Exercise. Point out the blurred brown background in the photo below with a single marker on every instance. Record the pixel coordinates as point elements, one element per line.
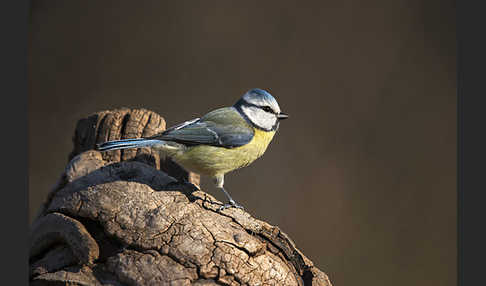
<point>363,174</point>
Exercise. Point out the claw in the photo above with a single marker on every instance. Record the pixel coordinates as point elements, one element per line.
<point>232,204</point>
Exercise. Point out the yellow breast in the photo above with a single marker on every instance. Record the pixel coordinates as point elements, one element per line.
<point>212,161</point>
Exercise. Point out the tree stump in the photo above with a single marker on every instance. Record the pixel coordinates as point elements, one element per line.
<point>131,217</point>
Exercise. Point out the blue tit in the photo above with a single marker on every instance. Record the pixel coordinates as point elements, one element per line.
<point>221,141</point>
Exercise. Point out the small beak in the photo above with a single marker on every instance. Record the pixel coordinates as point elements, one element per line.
<point>282,116</point>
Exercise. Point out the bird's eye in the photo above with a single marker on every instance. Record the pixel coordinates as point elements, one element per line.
<point>268,109</point>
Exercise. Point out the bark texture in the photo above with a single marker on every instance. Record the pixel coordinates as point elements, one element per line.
<point>132,218</point>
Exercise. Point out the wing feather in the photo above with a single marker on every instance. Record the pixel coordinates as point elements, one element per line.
<point>223,127</point>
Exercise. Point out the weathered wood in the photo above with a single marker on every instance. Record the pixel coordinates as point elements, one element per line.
<point>113,220</point>
<point>122,124</point>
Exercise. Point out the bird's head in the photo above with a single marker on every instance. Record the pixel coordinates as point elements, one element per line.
<point>261,109</point>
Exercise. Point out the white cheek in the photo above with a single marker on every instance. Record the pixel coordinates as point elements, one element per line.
<point>259,117</point>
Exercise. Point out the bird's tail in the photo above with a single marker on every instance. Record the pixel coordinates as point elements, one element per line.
<point>127,143</point>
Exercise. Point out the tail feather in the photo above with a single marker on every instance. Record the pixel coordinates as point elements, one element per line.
<point>127,143</point>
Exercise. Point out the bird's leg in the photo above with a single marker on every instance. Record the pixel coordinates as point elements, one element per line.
<point>219,182</point>
<point>232,203</point>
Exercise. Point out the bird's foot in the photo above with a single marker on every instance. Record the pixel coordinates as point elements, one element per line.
<point>232,204</point>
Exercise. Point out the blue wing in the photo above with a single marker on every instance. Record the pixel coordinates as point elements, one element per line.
<point>223,127</point>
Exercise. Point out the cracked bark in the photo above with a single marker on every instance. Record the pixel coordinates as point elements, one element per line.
<point>133,218</point>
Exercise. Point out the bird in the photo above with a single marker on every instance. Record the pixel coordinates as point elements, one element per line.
<point>223,140</point>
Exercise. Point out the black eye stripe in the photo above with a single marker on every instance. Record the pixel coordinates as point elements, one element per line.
<point>268,109</point>
<point>265,108</point>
